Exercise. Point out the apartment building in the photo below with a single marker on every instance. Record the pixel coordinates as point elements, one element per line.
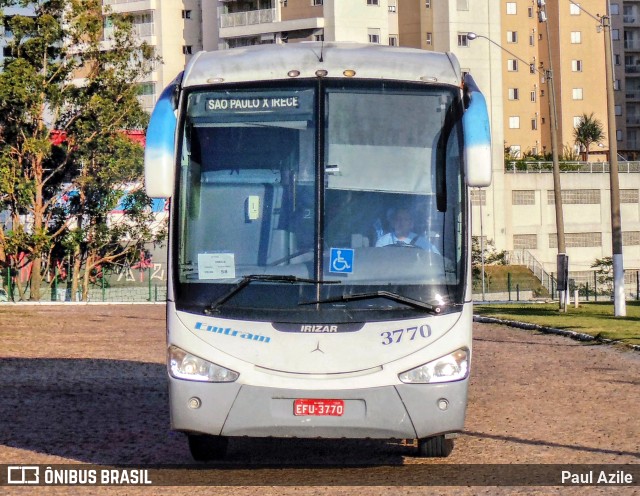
<point>626,45</point>
<point>508,58</point>
<point>173,27</point>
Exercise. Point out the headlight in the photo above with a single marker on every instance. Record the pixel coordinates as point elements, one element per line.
<point>449,368</point>
<point>183,365</point>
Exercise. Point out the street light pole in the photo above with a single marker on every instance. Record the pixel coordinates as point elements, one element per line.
<point>563,259</point>
<point>619,301</point>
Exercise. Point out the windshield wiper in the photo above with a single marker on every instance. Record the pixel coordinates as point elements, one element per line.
<point>380,294</point>
<point>246,280</point>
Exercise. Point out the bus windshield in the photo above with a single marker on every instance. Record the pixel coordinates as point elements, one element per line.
<point>344,199</point>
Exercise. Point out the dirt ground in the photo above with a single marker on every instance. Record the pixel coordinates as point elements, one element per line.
<point>86,384</point>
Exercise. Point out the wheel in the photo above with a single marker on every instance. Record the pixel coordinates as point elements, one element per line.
<point>205,447</point>
<point>436,446</point>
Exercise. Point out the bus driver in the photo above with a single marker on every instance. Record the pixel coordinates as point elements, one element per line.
<point>402,234</point>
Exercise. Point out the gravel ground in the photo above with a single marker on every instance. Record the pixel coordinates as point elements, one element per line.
<point>86,384</point>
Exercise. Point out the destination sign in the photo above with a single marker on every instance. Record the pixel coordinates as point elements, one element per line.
<point>252,103</point>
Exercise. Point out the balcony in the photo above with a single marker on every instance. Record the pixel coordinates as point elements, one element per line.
<point>143,30</point>
<point>263,22</point>
<point>631,94</point>
<point>633,119</point>
<point>248,18</point>
<point>633,70</point>
<point>120,6</point>
<point>147,102</point>
<point>629,19</point>
<point>632,44</point>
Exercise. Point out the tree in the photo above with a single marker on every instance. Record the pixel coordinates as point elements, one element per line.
<point>41,99</point>
<point>491,256</point>
<point>604,273</point>
<point>588,131</point>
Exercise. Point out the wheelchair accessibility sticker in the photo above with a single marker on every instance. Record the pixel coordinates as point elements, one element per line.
<point>341,260</point>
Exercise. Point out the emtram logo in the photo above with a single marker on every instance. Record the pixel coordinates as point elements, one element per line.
<point>23,474</point>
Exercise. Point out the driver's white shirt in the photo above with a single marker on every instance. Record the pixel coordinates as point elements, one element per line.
<point>392,239</point>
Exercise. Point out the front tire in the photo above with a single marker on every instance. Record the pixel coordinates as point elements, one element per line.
<point>435,447</point>
<point>205,447</point>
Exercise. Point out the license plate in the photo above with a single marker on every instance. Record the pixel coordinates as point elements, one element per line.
<point>316,407</point>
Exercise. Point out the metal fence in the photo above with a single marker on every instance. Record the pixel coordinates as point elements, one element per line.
<point>125,284</point>
<point>591,286</point>
<point>540,167</point>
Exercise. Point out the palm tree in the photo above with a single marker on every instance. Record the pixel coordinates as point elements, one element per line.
<point>588,131</point>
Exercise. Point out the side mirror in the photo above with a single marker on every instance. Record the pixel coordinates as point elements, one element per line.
<point>477,136</point>
<point>160,147</point>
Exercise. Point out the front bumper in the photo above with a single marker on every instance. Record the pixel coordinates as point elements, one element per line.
<point>404,411</point>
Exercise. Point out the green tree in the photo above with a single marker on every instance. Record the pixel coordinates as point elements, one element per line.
<point>491,257</point>
<point>588,131</point>
<point>64,80</point>
<point>604,273</point>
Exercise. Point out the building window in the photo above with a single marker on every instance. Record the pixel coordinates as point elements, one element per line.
<point>514,122</point>
<point>514,94</point>
<point>534,124</point>
<point>512,37</point>
<point>429,38</point>
<point>373,2</point>
<point>393,40</point>
<point>577,240</point>
<point>530,12</point>
<point>616,59</point>
<point>512,65</point>
<point>615,34</point>
<point>576,93</point>
<point>629,196</point>
<point>532,96</point>
<point>532,39</point>
<point>574,9</point>
<point>525,241</point>
<point>618,110</point>
<point>576,37</point>
<point>615,9</point>
<point>631,238</point>
<point>523,197</point>
<point>318,37</point>
<point>392,9</point>
<point>427,4</point>
<point>575,197</point>
<point>374,35</point>
<point>617,85</point>
<point>576,120</point>
<point>618,135</point>
<point>186,14</point>
<point>463,41</point>
<point>512,8</point>
<point>576,65</point>
<point>187,49</point>
<point>315,3</point>
<point>478,197</point>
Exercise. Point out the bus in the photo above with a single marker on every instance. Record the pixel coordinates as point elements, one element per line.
<point>319,250</point>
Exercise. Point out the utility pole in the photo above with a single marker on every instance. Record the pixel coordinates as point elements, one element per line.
<point>563,258</point>
<point>619,299</point>
<point>619,303</point>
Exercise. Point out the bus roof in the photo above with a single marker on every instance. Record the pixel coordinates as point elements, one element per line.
<point>274,62</point>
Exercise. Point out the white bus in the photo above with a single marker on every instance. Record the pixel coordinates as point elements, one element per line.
<point>319,254</point>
